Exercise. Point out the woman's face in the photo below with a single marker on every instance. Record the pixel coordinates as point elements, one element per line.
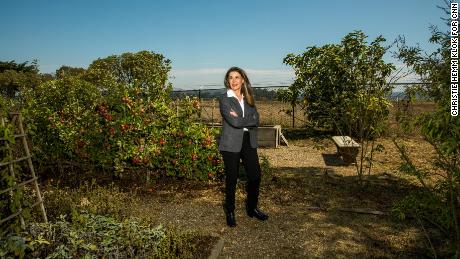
<point>235,80</point>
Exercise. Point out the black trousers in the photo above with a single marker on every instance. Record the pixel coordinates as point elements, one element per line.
<point>251,165</point>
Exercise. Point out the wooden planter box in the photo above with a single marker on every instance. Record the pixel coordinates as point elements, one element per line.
<point>267,136</point>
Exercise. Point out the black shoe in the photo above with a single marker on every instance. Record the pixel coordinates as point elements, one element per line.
<point>231,222</point>
<point>260,215</point>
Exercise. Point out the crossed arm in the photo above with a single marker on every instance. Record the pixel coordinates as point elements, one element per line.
<point>251,120</point>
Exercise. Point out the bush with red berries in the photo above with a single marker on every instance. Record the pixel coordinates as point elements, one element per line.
<point>118,115</point>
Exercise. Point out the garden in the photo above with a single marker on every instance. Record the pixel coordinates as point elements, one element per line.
<point>125,171</point>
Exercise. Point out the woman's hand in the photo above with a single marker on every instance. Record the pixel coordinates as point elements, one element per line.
<point>233,113</point>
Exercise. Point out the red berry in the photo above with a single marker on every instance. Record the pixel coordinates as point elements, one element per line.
<point>136,160</point>
<point>194,157</point>
<point>80,143</point>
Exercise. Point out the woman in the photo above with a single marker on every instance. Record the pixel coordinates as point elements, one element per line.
<point>238,140</point>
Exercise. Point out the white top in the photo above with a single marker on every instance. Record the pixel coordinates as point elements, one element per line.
<point>230,93</point>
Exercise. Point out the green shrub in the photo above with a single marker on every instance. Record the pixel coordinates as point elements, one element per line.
<point>119,118</point>
<point>91,236</point>
<point>437,204</point>
<point>89,198</point>
<point>13,200</point>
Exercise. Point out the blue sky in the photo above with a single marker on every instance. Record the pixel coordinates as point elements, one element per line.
<point>202,38</point>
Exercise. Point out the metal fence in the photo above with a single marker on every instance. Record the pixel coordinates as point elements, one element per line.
<point>272,111</point>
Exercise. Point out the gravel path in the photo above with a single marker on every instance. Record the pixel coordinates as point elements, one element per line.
<point>302,177</point>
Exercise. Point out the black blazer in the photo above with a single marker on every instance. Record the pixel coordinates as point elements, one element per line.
<point>231,136</point>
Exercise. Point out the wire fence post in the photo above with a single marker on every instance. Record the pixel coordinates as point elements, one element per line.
<point>212,111</point>
<point>293,115</point>
<point>200,107</point>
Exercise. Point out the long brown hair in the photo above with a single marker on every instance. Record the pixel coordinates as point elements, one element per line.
<point>246,87</point>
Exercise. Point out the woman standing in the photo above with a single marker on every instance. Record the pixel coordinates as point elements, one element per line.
<point>238,140</point>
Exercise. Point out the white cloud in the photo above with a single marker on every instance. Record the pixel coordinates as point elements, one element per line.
<point>214,77</point>
<point>272,72</point>
<point>404,76</point>
<point>197,72</point>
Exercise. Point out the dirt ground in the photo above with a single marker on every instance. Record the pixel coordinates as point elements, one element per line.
<point>304,194</point>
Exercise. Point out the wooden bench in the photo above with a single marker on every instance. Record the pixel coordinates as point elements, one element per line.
<point>347,148</point>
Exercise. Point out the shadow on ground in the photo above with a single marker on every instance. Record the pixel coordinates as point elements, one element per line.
<point>333,160</point>
<point>305,220</point>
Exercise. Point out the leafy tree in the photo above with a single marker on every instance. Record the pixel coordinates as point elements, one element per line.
<point>144,70</point>
<point>64,71</point>
<point>22,67</point>
<point>438,202</point>
<point>264,93</point>
<point>332,77</point>
<point>344,87</point>
<point>14,76</point>
<point>292,96</point>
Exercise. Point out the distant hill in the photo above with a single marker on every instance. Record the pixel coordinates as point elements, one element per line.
<point>260,93</point>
